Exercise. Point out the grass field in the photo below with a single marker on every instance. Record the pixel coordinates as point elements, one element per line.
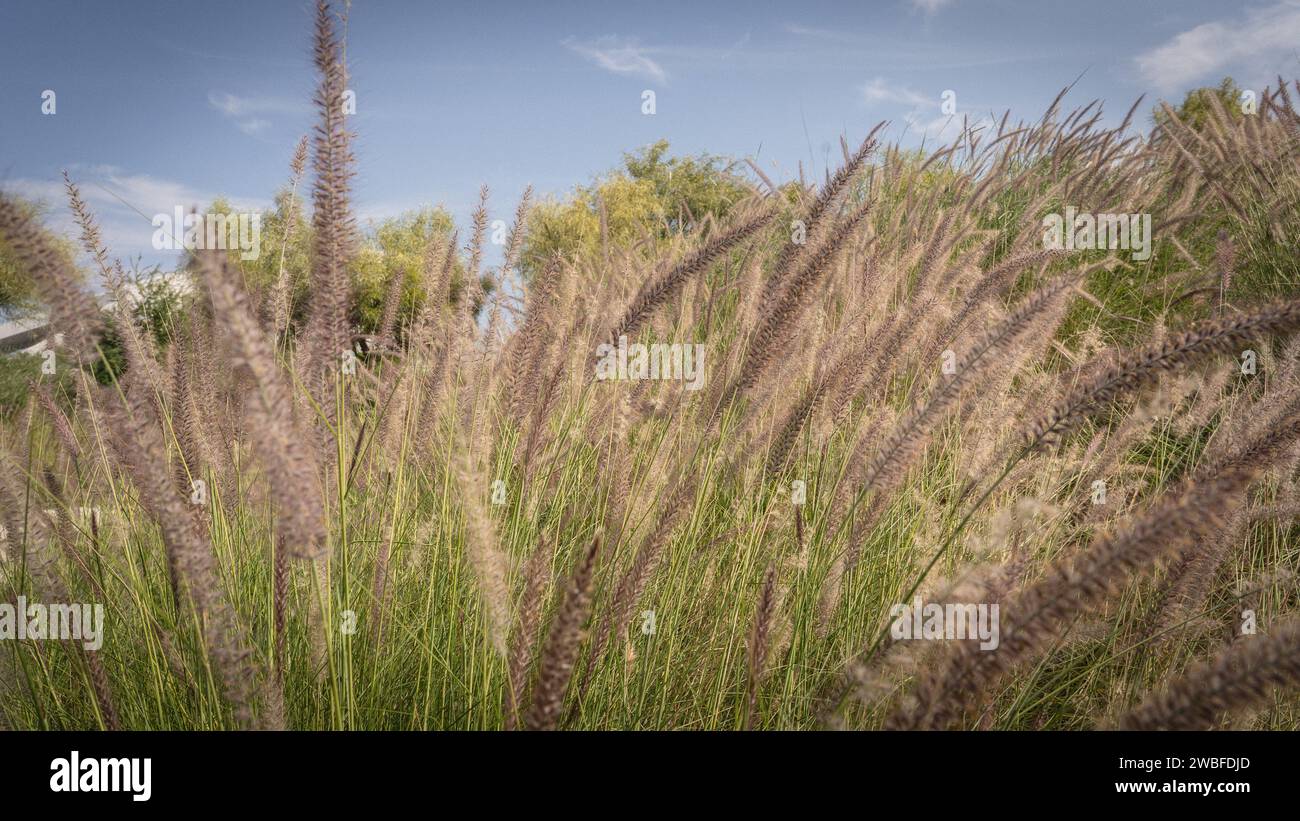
<point>907,395</point>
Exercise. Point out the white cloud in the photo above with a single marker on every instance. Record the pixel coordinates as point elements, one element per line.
<point>737,46</point>
<point>945,128</point>
<point>254,126</point>
<point>620,55</point>
<point>926,117</point>
<point>236,106</point>
<point>881,90</point>
<point>930,6</point>
<point>123,204</point>
<point>823,34</point>
<point>822,46</point>
<point>1255,42</point>
<point>243,110</point>
<point>153,195</point>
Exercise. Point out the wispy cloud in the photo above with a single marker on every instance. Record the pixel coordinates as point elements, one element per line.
<point>837,45</point>
<point>620,55</point>
<point>945,128</point>
<point>254,126</point>
<point>123,204</point>
<point>926,117</point>
<point>813,32</point>
<point>1256,43</point>
<point>735,47</point>
<point>930,6</point>
<point>881,90</point>
<point>244,110</point>
<point>152,194</point>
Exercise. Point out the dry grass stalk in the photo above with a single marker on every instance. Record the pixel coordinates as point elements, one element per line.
<point>658,291</point>
<point>1038,615</point>
<point>280,302</point>
<point>223,634</point>
<point>555,666</point>
<point>280,445</point>
<point>1240,677</point>
<point>1130,371</point>
<point>524,639</point>
<point>760,640</point>
<point>481,544</point>
<point>334,227</point>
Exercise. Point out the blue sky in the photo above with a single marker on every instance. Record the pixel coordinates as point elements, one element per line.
<point>161,104</point>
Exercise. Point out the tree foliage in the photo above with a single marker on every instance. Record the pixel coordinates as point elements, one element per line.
<point>1196,106</point>
<point>17,294</point>
<point>397,247</point>
<point>652,194</point>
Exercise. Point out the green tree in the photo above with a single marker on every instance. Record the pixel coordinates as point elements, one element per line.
<point>687,188</point>
<point>572,227</point>
<point>17,289</point>
<point>287,218</point>
<point>394,246</point>
<point>1197,105</point>
<point>651,194</point>
<point>15,284</point>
